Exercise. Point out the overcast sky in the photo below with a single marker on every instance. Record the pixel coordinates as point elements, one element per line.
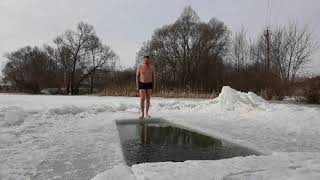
<point>126,24</point>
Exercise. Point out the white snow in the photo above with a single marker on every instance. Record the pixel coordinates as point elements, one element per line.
<point>293,166</point>
<point>231,99</point>
<point>75,137</point>
<point>119,172</point>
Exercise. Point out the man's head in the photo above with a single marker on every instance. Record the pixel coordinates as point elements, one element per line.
<point>146,60</point>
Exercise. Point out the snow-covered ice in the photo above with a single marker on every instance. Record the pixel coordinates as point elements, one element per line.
<point>117,173</point>
<point>277,166</point>
<point>75,137</point>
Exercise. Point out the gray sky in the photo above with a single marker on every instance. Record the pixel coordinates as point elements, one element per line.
<point>126,24</point>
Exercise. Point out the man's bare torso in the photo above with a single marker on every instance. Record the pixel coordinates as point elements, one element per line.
<point>146,73</point>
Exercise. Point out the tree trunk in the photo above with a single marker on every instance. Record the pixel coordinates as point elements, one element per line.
<point>92,83</point>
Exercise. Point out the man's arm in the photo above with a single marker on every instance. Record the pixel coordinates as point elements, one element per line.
<point>137,78</point>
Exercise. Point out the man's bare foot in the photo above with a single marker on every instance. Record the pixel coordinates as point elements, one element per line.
<point>148,116</point>
<point>141,117</point>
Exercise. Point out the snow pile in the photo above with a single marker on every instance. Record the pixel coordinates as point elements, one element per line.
<point>231,99</point>
<point>45,91</point>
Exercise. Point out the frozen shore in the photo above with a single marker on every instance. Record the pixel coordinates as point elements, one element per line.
<point>75,137</point>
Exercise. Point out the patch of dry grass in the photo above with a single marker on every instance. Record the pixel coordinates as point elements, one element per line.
<point>167,93</point>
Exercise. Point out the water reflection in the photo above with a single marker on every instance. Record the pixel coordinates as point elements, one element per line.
<point>157,142</point>
<point>167,135</point>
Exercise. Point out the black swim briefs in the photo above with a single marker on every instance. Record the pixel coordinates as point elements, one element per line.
<point>145,85</point>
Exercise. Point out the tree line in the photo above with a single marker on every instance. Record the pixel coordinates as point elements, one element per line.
<point>188,54</point>
<point>193,54</point>
<point>79,58</point>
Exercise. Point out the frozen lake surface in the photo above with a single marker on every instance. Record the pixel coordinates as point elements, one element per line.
<point>76,137</point>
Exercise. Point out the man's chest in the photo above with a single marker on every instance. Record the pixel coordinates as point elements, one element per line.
<point>146,70</point>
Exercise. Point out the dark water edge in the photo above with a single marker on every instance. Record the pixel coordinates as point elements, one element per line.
<point>159,141</point>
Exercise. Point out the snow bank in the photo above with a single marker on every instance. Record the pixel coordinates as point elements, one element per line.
<point>231,99</point>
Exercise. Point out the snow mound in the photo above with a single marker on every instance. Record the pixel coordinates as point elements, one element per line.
<point>231,99</point>
<point>45,91</point>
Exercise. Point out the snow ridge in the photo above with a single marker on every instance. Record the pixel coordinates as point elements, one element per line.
<point>231,99</point>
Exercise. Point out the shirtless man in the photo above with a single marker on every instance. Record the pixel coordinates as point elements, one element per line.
<point>146,82</point>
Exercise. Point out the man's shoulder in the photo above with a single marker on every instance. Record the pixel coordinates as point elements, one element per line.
<point>139,67</point>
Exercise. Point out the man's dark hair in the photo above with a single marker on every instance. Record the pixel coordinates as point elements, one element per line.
<point>146,57</point>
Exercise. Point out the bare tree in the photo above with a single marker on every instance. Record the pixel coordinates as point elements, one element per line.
<point>87,54</point>
<point>76,42</point>
<point>300,45</point>
<point>186,49</point>
<point>100,57</point>
<point>240,50</point>
<point>63,57</point>
<point>291,48</point>
<point>30,69</point>
<point>144,51</point>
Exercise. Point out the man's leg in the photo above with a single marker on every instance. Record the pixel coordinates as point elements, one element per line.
<point>142,100</point>
<point>148,93</point>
